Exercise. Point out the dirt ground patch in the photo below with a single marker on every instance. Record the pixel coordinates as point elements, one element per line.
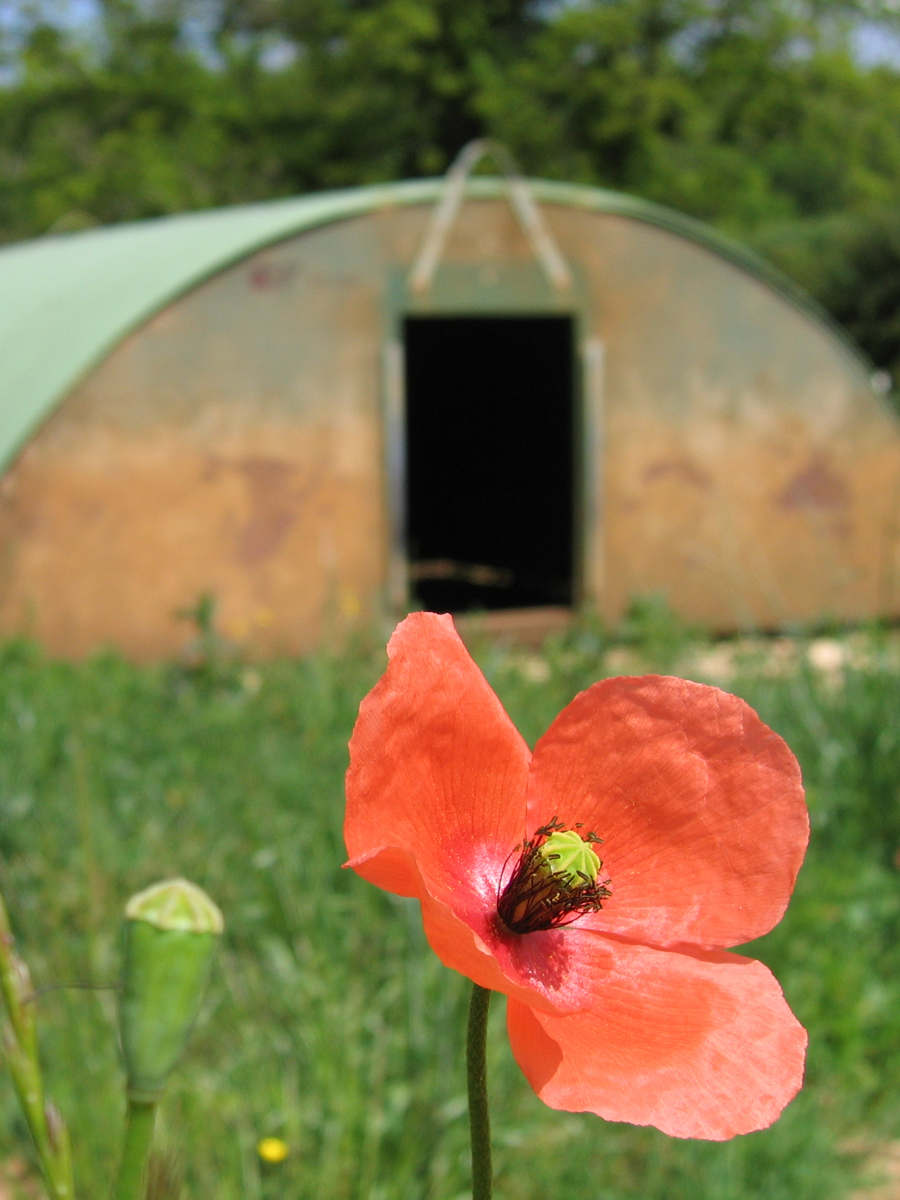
<point>17,1181</point>
<point>882,1173</point>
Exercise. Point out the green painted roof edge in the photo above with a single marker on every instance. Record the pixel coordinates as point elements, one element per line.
<point>92,289</point>
<point>37,373</point>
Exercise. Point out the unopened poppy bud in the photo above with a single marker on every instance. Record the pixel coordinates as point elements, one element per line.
<point>567,856</point>
<point>170,933</point>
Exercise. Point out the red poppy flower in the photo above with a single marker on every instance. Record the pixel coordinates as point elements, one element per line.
<point>621,998</point>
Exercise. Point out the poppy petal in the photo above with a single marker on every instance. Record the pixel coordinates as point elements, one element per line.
<point>699,1045</point>
<point>436,766</point>
<point>699,804</point>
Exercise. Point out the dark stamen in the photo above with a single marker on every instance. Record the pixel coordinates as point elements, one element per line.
<point>537,898</point>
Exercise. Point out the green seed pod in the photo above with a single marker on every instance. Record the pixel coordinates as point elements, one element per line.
<point>569,857</point>
<point>170,934</point>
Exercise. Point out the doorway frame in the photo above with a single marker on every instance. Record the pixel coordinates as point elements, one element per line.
<point>496,290</point>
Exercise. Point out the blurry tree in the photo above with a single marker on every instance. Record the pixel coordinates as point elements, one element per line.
<point>757,115</point>
<point>175,106</point>
<point>741,113</point>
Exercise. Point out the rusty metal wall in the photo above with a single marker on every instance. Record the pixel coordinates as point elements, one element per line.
<point>750,473</point>
<point>232,446</point>
<point>235,444</point>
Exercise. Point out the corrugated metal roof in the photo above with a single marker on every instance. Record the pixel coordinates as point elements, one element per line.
<point>66,301</point>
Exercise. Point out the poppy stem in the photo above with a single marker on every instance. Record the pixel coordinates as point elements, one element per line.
<point>139,1119</point>
<point>479,1115</point>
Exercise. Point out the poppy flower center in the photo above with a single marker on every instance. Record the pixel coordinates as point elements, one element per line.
<point>556,879</point>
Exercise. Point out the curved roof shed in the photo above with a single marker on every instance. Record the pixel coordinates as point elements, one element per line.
<point>256,403</point>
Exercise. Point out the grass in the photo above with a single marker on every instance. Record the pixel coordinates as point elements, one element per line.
<point>329,1022</point>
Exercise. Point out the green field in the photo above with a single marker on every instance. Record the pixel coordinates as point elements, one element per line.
<point>328,1022</point>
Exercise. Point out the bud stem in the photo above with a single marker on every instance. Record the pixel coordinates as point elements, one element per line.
<point>139,1119</point>
<point>19,1037</point>
<point>479,1114</point>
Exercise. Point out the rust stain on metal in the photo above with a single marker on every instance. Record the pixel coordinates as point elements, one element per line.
<point>273,508</point>
<point>268,276</point>
<point>677,468</point>
<point>817,486</point>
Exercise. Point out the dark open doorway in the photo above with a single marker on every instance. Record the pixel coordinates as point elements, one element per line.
<point>490,461</point>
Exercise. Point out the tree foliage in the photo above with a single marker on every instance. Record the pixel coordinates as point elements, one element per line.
<point>757,115</point>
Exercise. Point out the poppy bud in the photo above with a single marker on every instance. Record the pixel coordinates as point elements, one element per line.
<point>170,933</point>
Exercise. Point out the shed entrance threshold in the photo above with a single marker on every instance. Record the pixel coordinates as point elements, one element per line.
<point>490,480</point>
